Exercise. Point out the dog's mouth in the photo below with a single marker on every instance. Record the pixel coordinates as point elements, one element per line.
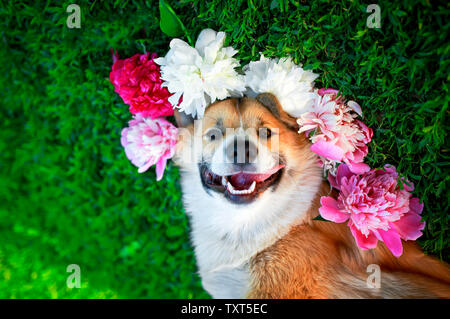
<point>241,187</point>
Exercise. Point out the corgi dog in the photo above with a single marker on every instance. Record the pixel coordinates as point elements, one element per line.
<point>251,188</point>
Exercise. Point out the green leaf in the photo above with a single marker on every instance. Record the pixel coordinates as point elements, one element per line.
<point>169,22</point>
<point>320,218</point>
<point>274,4</point>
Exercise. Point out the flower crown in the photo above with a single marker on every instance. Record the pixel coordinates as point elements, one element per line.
<point>376,203</point>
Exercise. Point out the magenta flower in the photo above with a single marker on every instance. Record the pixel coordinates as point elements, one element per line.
<point>149,141</point>
<point>336,134</point>
<point>138,82</point>
<point>375,206</point>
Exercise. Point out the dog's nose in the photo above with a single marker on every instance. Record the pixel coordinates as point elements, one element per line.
<point>241,151</point>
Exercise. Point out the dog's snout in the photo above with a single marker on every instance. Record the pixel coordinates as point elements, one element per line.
<point>241,151</point>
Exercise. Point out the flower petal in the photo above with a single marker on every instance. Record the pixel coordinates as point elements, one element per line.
<point>328,150</point>
<point>324,91</point>
<point>205,37</point>
<point>202,74</point>
<point>415,205</point>
<point>358,168</point>
<point>331,211</point>
<point>144,168</point>
<point>409,226</point>
<point>392,240</point>
<point>160,167</point>
<point>149,141</point>
<point>355,107</point>
<point>362,241</point>
<point>342,171</point>
<point>290,83</point>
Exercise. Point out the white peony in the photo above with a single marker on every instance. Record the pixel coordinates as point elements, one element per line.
<point>200,75</point>
<point>292,85</point>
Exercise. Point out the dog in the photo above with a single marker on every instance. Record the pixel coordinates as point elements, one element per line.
<point>252,210</point>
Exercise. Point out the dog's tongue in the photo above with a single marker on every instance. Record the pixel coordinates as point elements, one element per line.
<point>244,180</point>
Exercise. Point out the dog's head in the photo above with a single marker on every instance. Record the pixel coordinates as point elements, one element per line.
<point>244,150</point>
<point>246,177</point>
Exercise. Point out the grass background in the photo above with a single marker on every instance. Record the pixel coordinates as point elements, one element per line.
<point>68,195</point>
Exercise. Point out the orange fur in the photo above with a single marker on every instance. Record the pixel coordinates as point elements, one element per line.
<point>321,260</point>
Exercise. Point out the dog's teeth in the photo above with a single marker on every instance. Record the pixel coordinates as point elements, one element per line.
<point>243,191</point>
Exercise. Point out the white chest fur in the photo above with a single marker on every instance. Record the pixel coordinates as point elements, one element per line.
<point>227,283</point>
<point>226,236</point>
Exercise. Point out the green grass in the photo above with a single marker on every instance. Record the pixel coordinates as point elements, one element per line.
<point>68,195</point>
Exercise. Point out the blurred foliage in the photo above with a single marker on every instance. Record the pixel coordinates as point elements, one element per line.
<point>68,193</point>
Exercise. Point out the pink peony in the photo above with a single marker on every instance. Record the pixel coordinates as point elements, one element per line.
<point>149,141</point>
<point>376,207</point>
<point>337,135</point>
<point>138,82</point>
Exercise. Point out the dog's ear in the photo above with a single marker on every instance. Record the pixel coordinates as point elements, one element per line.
<point>271,102</point>
<point>183,119</point>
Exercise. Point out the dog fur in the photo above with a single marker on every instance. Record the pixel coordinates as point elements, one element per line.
<point>272,247</point>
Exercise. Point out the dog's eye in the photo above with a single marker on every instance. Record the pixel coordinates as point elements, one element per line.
<point>265,133</point>
<point>213,134</point>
